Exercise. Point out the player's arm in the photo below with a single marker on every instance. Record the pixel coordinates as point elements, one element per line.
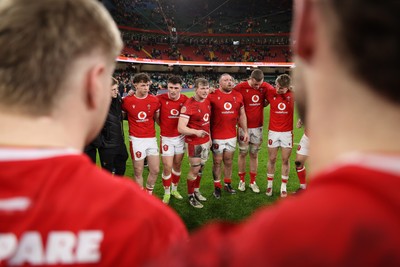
<point>266,102</point>
<point>185,130</point>
<point>243,124</point>
<point>299,123</point>
<point>157,117</point>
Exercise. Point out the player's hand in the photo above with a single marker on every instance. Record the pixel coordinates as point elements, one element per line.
<point>245,137</point>
<point>131,92</point>
<point>299,123</point>
<point>201,133</point>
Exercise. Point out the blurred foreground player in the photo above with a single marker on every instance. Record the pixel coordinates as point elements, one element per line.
<point>56,207</point>
<point>349,215</point>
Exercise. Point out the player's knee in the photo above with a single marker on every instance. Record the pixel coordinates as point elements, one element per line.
<point>154,170</point>
<point>298,164</point>
<point>228,162</point>
<point>272,160</point>
<point>285,161</point>
<point>217,163</point>
<point>243,149</point>
<point>254,149</point>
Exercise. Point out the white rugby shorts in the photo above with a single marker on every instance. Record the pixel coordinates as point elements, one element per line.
<point>280,139</point>
<point>170,146</point>
<point>143,147</point>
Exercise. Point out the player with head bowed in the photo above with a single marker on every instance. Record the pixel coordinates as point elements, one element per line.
<point>56,207</point>
<point>254,97</point>
<point>172,143</point>
<point>349,215</point>
<point>227,110</point>
<point>194,123</point>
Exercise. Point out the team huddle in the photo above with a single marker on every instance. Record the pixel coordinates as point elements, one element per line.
<point>59,209</point>
<point>208,121</point>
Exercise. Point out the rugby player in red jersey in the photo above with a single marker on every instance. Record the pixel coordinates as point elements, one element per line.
<point>254,97</point>
<point>227,110</point>
<point>172,143</point>
<point>142,110</point>
<point>280,130</point>
<point>194,123</point>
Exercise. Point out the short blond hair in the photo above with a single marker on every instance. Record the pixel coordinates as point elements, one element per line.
<point>40,40</point>
<point>200,82</point>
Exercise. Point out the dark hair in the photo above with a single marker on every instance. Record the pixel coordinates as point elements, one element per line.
<point>175,80</point>
<point>284,80</point>
<point>368,40</point>
<point>141,77</point>
<point>257,75</point>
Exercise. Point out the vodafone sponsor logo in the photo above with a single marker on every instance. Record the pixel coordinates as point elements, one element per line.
<point>142,115</point>
<point>206,117</point>
<point>255,99</point>
<point>174,112</point>
<point>227,106</point>
<point>60,247</point>
<point>282,109</point>
<point>281,106</point>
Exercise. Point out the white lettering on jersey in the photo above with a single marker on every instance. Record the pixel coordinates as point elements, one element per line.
<point>62,247</point>
<point>8,244</point>
<point>29,250</point>
<point>89,246</point>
